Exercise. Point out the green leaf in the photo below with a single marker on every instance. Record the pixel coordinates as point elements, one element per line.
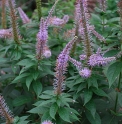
<point>53,110</point>
<point>87,96</point>
<point>26,62</point>
<point>64,114</point>
<point>3,60</point>
<point>91,107</point>
<point>120,98</point>
<point>113,72</point>
<point>20,100</point>
<point>97,119</point>
<point>35,75</point>
<point>45,96</point>
<point>38,110</point>
<point>99,92</point>
<point>92,81</point>
<point>37,86</point>
<point>116,114</point>
<point>47,102</point>
<point>46,116</point>
<point>111,53</point>
<point>28,81</point>
<point>20,77</point>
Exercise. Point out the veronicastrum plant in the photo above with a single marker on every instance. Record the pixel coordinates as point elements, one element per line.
<point>62,64</point>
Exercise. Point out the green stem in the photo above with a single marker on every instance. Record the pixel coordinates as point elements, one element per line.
<point>118,87</point>
<point>103,23</point>
<point>3,14</point>
<point>38,5</point>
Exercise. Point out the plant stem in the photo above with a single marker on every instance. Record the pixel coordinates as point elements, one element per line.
<point>118,87</point>
<point>3,14</point>
<point>38,5</point>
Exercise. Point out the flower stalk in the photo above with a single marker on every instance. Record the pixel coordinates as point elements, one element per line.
<point>13,21</point>
<point>39,5</point>
<point>5,113</point>
<point>61,67</point>
<point>4,25</point>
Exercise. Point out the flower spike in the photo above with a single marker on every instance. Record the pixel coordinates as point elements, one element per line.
<point>13,21</point>
<point>57,21</point>
<point>61,67</point>
<point>75,63</point>
<point>5,113</point>
<point>97,59</point>
<point>23,16</point>
<point>5,33</point>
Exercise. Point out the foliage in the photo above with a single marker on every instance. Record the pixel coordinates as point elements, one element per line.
<point>60,66</point>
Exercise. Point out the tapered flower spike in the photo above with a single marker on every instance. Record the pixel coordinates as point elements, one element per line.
<point>13,21</point>
<point>23,16</point>
<point>97,59</point>
<point>61,67</point>
<point>42,38</point>
<point>47,22</point>
<point>54,21</point>
<point>103,5</point>
<point>5,113</point>
<point>47,122</point>
<point>5,33</point>
<point>4,25</point>
<point>76,63</point>
<point>83,16</point>
<point>100,37</point>
<point>120,13</point>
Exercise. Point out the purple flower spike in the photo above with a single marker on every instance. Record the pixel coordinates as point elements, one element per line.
<point>42,38</point>
<point>86,73</point>
<point>47,122</point>
<point>61,67</point>
<point>6,33</point>
<point>97,59</point>
<point>75,63</point>
<point>23,16</point>
<point>59,22</point>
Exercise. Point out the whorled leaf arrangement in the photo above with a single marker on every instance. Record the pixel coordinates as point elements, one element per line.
<point>61,67</point>
<point>5,112</point>
<point>13,21</point>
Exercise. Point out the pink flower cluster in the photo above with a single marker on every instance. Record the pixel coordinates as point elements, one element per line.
<point>47,122</point>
